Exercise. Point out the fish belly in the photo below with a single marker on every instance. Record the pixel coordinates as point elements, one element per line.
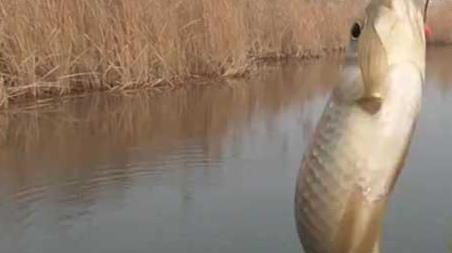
<point>345,178</point>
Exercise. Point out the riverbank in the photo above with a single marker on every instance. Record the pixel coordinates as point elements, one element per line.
<point>56,48</point>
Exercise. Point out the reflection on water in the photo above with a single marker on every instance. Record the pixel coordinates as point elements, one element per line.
<point>207,169</point>
<point>102,166</point>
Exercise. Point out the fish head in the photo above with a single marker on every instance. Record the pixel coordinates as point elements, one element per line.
<point>392,33</point>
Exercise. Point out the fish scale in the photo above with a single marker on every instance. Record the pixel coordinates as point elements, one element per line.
<point>322,183</point>
<point>363,136</point>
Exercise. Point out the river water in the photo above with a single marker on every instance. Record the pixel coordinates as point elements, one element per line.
<point>207,169</point>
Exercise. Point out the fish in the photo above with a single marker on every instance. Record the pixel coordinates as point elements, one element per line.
<point>362,139</point>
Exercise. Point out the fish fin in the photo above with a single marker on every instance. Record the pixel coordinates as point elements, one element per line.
<point>371,103</point>
<point>373,55</point>
<point>396,75</point>
<point>355,92</point>
<point>360,227</point>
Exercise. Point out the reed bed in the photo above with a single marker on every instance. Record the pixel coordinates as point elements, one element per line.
<point>58,47</point>
<point>440,19</point>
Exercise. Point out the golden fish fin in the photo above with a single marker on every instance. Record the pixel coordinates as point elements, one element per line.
<point>360,227</point>
<point>382,19</point>
<point>352,89</point>
<point>371,103</point>
<point>399,74</point>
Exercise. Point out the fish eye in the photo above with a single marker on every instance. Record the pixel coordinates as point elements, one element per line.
<point>356,30</point>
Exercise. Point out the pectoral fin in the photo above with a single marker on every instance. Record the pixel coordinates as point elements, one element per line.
<point>374,58</point>
<point>371,104</point>
<point>396,75</point>
<point>355,92</point>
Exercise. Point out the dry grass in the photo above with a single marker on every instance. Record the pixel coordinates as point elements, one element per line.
<point>59,47</point>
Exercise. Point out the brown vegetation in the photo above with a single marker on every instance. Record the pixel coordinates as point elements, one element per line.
<point>440,19</point>
<point>58,47</point>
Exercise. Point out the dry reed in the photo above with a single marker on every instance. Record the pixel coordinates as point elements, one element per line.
<point>60,47</point>
<point>440,19</point>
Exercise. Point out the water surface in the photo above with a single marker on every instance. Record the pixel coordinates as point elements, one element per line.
<point>205,169</point>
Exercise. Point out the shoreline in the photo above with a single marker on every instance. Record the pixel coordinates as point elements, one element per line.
<point>48,55</point>
<point>56,48</point>
<point>166,88</point>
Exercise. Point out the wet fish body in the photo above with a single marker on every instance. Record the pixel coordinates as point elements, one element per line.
<point>363,136</point>
<point>349,170</point>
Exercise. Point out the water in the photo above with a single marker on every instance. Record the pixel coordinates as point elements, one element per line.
<point>207,169</point>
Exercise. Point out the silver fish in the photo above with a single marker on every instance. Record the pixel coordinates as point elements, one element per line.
<point>363,136</point>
